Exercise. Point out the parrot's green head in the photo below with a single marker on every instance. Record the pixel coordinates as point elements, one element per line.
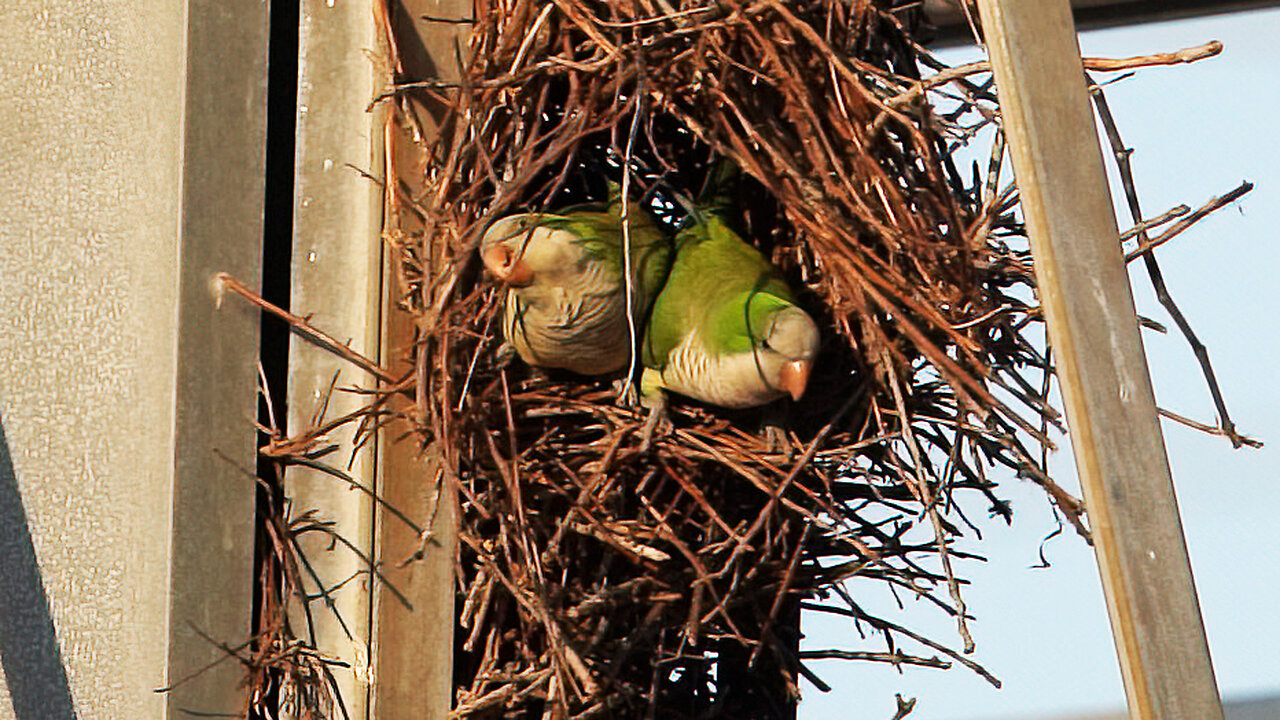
<point>784,340</point>
<point>520,249</point>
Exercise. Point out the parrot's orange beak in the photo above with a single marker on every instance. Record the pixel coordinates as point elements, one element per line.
<point>795,377</point>
<point>507,265</point>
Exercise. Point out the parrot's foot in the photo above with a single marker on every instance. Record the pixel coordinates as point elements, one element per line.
<point>777,442</point>
<point>628,395</point>
<point>657,419</point>
<point>653,397</point>
<point>504,355</point>
<point>776,439</point>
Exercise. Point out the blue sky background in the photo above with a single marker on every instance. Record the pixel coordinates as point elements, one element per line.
<point>1197,131</point>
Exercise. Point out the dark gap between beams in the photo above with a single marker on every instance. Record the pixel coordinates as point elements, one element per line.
<point>277,252</point>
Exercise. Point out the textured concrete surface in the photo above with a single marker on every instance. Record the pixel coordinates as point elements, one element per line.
<point>91,110</point>
<point>102,265</point>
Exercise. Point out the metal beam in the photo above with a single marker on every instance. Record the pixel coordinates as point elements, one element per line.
<point>953,28</point>
<point>336,273</point>
<point>220,225</point>
<point>1115,432</point>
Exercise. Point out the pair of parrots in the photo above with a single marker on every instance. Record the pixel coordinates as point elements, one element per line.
<point>715,321</point>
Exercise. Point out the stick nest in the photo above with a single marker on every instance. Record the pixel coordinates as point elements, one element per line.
<point>602,581</point>
<point>596,580</point>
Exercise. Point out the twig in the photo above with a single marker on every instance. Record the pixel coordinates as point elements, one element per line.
<point>1210,429</point>
<point>1122,158</point>
<point>1146,244</point>
<point>1172,214</point>
<point>305,329</point>
<point>1186,55</point>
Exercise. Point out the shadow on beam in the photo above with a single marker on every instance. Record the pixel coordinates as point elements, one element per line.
<point>1093,14</point>
<point>33,670</point>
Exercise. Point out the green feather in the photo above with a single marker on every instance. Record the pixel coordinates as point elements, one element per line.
<point>598,228</point>
<point>719,286</point>
<point>725,329</point>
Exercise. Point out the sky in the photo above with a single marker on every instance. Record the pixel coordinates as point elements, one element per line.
<point>1197,131</point>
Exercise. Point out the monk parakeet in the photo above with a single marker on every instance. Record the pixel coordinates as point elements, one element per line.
<point>566,303</point>
<point>725,329</point>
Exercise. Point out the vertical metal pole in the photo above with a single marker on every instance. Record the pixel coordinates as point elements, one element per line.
<point>220,230</point>
<point>1115,432</point>
<point>336,280</point>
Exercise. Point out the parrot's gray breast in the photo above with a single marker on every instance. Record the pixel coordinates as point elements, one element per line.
<point>733,381</point>
<point>580,327</point>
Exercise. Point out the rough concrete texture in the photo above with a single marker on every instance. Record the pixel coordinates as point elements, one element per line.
<point>93,243</point>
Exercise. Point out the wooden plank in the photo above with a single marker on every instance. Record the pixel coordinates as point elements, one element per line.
<point>1102,368</point>
<point>414,643</point>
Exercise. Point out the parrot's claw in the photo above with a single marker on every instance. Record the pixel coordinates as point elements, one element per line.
<point>628,396</point>
<point>776,439</point>
<point>657,418</point>
<point>504,355</point>
<point>777,442</point>
<point>653,397</point>
<point>656,402</point>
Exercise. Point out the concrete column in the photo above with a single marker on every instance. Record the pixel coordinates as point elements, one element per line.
<point>132,172</point>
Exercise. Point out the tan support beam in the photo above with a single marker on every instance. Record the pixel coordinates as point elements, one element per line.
<point>413,650</point>
<point>400,655</point>
<point>1102,369</point>
<point>336,280</point>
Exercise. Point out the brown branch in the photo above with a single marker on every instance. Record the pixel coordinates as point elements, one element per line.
<point>1168,216</point>
<point>304,328</point>
<point>1122,160</point>
<point>1147,244</point>
<point>1202,427</point>
<point>1186,55</point>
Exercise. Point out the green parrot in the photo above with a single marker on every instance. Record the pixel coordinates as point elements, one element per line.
<point>565,271</point>
<point>725,329</point>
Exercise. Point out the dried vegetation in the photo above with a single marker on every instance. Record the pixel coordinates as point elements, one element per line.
<point>596,580</point>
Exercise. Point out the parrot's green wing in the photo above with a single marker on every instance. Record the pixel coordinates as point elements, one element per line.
<point>716,286</point>
<point>598,226</point>
<point>725,329</point>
